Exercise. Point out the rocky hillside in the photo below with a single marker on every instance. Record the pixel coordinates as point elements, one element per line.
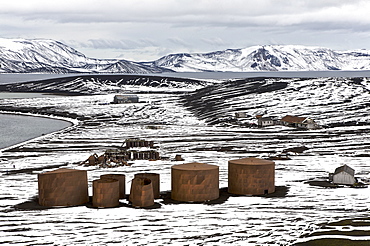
<point>105,84</point>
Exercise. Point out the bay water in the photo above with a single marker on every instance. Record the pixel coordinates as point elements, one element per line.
<point>15,129</point>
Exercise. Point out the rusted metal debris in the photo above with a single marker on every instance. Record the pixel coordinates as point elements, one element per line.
<point>131,149</point>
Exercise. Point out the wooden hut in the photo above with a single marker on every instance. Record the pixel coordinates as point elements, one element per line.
<point>125,99</point>
<point>195,182</point>
<point>343,175</point>
<point>251,176</point>
<point>63,187</point>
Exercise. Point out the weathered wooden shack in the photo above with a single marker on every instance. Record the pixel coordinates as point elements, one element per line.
<point>343,175</point>
<point>125,99</point>
<point>299,122</point>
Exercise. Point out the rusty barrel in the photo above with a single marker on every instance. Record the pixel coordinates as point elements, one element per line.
<point>63,187</point>
<point>154,177</point>
<point>141,193</point>
<point>195,182</point>
<point>105,193</point>
<point>251,176</point>
<point>122,182</point>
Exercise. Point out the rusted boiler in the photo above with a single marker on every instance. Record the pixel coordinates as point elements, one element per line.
<point>194,182</point>
<point>122,182</point>
<point>154,177</point>
<point>63,187</point>
<point>141,193</point>
<point>251,176</point>
<point>105,193</point>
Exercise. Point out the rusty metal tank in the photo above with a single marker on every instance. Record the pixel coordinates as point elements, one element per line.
<point>63,187</point>
<point>251,176</point>
<point>141,192</point>
<point>194,182</point>
<point>154,177</point>
<point>105,193</point>
<point>122,182</point>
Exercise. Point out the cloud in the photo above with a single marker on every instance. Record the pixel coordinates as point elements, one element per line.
<point>152,27</point>
<point>179,41</point>
<point>190,12</point>
<point>117,44</point>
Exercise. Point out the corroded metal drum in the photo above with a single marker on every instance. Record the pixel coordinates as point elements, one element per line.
<point>194,182</point>
<point>251,176</point>
<point>63,187</point>
<point>122,182</point>
<point>154,177</point>
<point>105,193</point>
<point>141,193</point>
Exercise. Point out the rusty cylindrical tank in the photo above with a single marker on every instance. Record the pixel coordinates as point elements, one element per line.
<point>122,182</point>
<point>105,193</point>
<point>63,187</point>
<point>194,182</point>
<point>154,177</point>
<point>251,176</point>
<point>141,193</point>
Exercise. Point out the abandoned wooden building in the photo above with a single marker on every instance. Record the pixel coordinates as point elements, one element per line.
<point>343,175</point>
<point>299,122</point>
<point>125,99</point>
<point>265,121</point>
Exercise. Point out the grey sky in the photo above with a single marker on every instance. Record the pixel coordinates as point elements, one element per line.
<point>148,29</point>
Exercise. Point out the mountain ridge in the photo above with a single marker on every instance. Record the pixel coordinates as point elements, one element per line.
<point>50,56</point>
<point>268,58</point>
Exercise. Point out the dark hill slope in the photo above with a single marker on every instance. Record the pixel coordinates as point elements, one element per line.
<point>341,101</point>
<point>104,84</point>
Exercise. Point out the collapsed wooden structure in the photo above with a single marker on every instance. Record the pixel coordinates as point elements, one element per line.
<point>132,149</point>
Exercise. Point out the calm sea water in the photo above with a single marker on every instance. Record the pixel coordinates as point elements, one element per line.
<point>15,129</point>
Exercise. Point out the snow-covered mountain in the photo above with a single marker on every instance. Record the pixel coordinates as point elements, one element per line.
<point>50,56</point>
<point>44,55</point>
<point>267,58</point>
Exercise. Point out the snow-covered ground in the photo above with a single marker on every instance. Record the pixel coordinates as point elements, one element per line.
<point>240,220</point>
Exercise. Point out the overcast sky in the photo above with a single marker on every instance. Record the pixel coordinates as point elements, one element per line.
<point>144,30</point>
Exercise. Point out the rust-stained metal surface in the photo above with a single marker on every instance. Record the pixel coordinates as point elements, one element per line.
<point>63,187</point>
<point>105,193</point>
<point>154,177</point>
<point>141,193</point>
<point>251,176</point>
<point>194,182</point>
<point>122,182</point>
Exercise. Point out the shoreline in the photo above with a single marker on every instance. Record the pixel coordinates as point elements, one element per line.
<point>73,122</point>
